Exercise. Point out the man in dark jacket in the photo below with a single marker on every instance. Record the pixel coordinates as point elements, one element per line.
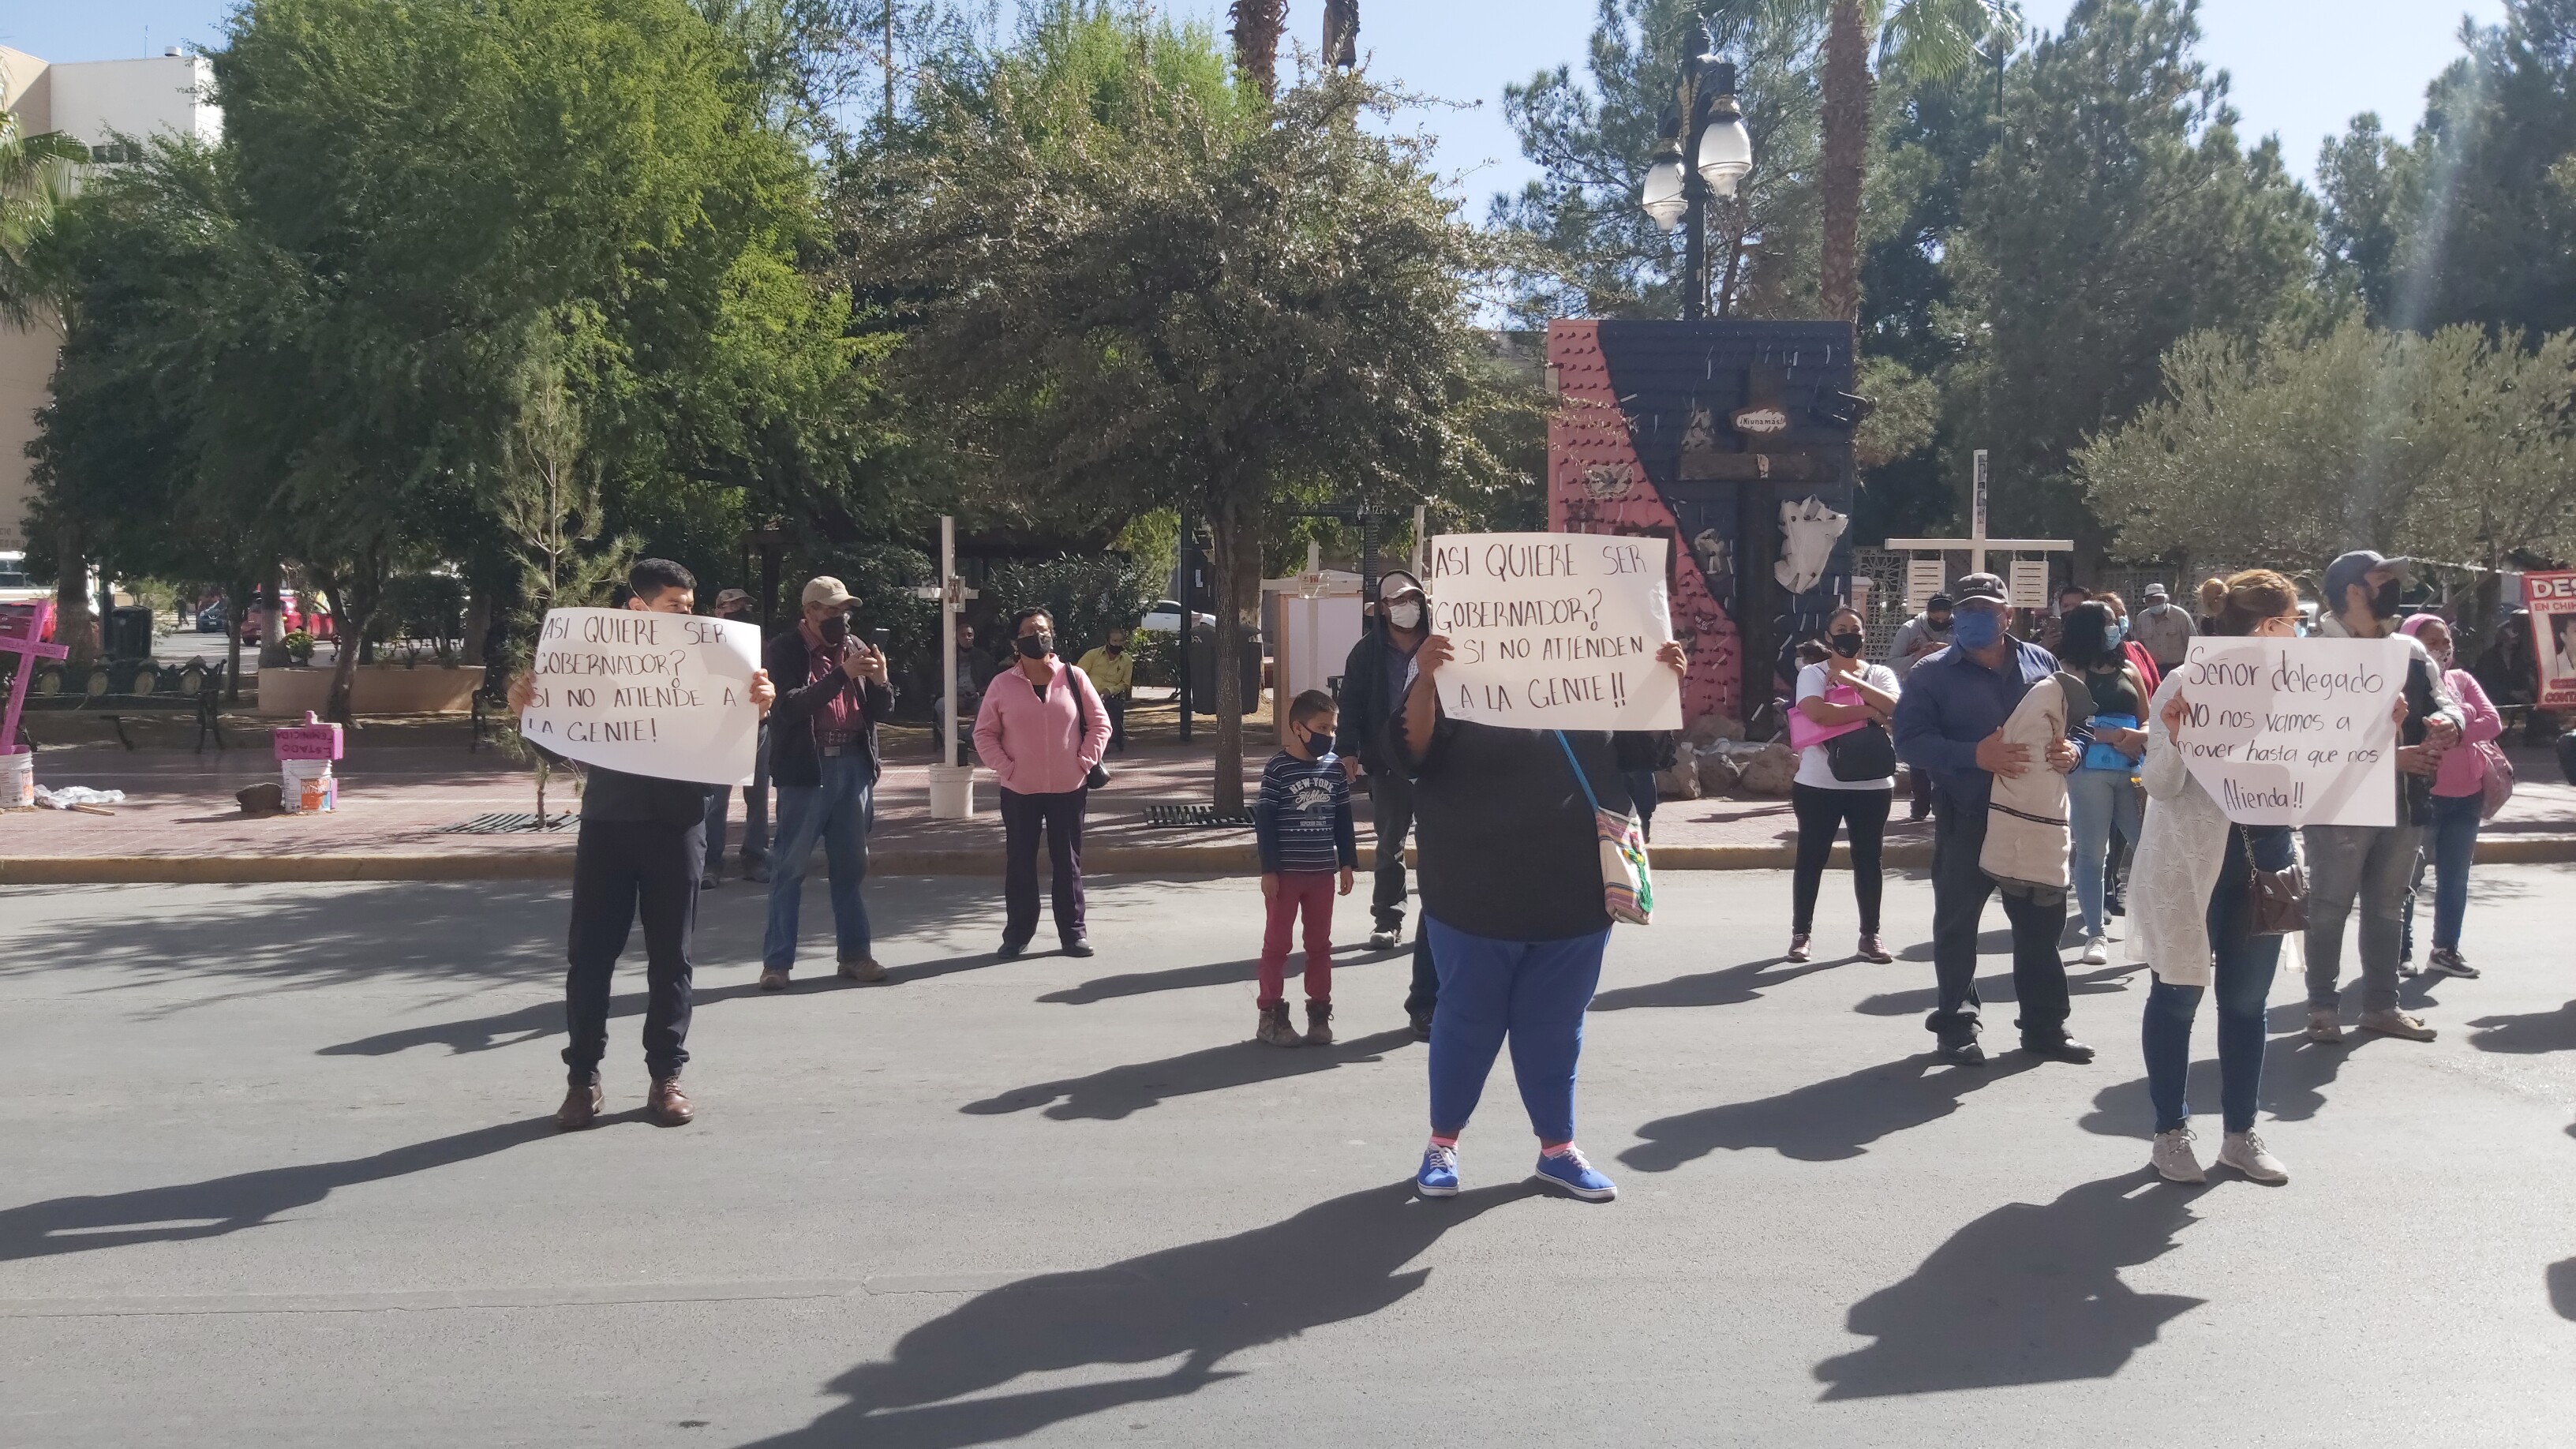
<point>1373,684</point>
<point>832,692</point>
<point>642,843</point>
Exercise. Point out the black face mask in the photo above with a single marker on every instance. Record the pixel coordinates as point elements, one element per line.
<point>2383,604</point>
<point>1937,626</point>
<point>1318,745</point>
<point>1847,645</point>
<point>835,630</point>
<point>1117,649</point>
<point>1036,646</point>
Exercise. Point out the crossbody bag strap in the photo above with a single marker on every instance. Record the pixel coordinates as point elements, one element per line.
<point>1579,777</point>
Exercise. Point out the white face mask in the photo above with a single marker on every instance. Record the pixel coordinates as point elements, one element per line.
<point>1406,615</point>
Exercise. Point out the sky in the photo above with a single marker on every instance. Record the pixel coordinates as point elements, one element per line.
<point>2300,68</point>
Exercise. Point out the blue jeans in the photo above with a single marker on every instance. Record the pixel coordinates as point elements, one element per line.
<point>755,813</point>
<point>2244,968</point>
<point>1534,992</point>
<point>2450,843</point>
<point>839,812</point>
<point>2095,800</point>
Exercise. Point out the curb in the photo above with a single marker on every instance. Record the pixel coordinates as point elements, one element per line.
<point>1108,860</point>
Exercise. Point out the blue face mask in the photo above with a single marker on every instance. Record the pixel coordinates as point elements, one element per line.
<point>2112,636</point>
<point>1976,628</point>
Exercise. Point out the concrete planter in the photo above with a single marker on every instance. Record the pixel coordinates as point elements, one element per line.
<point>373,689</point>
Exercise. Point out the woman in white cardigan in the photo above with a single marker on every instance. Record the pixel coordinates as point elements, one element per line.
<point>2190,907</point>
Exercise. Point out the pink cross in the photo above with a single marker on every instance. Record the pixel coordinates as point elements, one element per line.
<point>24,636</point>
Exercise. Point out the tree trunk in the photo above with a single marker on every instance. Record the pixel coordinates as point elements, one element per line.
<point>1846,126</point>
<point>72,620</point>
<point>1257,25</point>
<point>1237,561</point>
<point>236,609</point>
<point>272,620</point>
<point>353,608</point>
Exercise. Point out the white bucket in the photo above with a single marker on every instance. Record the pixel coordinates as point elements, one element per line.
<point>18,781</point>
<point>952,792</point>
<point>309,785</point>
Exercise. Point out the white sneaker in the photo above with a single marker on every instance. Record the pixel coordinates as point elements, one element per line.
<point>1384,939</point>
<point>2322,1024</point>
<point>2175,1159</point>
<point>2097,952</point>
<point>2246,1153</point>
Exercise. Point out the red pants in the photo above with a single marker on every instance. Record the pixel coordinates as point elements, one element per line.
<point>1311,892</point>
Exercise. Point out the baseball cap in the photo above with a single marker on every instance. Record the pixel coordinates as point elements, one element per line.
<point>1937,601</point>
<point>2348,570</point>
<point>1978,586</point>
<point>733,596</point>
<point>2157,591</point>
<point>826,589</point>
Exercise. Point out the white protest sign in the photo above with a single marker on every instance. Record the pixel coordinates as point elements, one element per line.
<point>665,695</point>
<point>1554,630</point>
<point>2294,731</point>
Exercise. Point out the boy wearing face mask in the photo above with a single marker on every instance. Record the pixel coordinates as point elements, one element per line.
<point>1308,847</point>
<point>823,761</point>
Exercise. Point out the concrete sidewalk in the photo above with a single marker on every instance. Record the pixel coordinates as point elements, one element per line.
<point>400,804</point>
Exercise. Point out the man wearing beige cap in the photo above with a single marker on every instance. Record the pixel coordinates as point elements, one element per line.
<point>832,692</point>
<point>735,604</point>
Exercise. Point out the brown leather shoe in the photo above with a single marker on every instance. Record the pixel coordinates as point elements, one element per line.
<point>773,980</point>
<point>667,1104</point>
<point>864,971</point>
<point>1319,1023</point>
<point>581,1106</point>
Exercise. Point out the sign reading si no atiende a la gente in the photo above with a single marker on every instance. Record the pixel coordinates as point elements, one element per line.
<point>1554,630</point>
<point>2294,731</point>
<point>665,695</point>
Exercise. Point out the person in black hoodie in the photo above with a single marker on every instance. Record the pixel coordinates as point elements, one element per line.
<point>832,691</point>
<point>1373,685</point>
<point>643,841</point>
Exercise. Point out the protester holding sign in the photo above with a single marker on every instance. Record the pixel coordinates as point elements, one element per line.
<point>1043,730</point>
<point>2192,892</point>
<point>643,836</point>
<point>1513,898</point>
<point>2374,865</point>
<point>1950,721</point>
<point>833,692</point>
<point>1838,696</point>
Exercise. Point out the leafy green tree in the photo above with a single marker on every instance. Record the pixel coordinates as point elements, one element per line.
<point>1218,311</point>
<point>33,174</point>
<point>2115,215</point>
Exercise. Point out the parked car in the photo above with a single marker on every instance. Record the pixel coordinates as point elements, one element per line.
<point>1165,618</point>
<point>210,619</point>
<point>316,623</point>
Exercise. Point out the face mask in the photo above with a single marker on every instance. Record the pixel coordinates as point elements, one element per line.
<point>1036,646</point>
<point>1318,745</point>
<point>1406,616</point>
<point>1117,649</point>
<point>1847,645</point>
<point>2112,636</point>
<point>2442,656</point>
<point>1937,626</point>
<point>1977,629</point>
<point>835,629</point>
<point>2383,605</point>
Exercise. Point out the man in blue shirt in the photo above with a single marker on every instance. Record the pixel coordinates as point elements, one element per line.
<point>1949,725</point>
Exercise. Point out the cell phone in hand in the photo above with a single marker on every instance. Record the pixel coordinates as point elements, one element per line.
<point>879,638</point>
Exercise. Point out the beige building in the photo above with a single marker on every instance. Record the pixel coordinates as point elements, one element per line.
<point>96,103</point>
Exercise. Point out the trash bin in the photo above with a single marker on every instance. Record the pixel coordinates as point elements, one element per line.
<point>129,632</point>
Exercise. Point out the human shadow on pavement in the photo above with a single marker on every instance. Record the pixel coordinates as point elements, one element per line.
<point>2296,1072</point>
<point>2562,1287</point>
<point>1731,986</point>
<point>2027,1294</point>
<point>1184,978</point>
<point>1336,1261</point>
<point>2538,1031</point>
<point>1822,1121</point>
<point>1116,1093</point>
<point>222,1205</point>
<point>2097,981</point>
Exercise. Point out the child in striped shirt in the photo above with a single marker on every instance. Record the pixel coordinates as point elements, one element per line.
<point>1303,825</point>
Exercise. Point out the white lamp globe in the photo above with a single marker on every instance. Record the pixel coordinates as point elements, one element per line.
<point>1662,193</point>
<point>1725,153</point>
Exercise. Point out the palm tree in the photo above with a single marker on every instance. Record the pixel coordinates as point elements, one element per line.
<point>1257,28</point>
<point>1930,39</point>
<point>33,170</point>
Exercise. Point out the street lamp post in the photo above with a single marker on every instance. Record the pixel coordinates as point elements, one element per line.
<point>1705,151</point>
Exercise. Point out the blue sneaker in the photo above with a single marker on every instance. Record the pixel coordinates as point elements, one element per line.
<point>1439,1174</point>
<point>1570,1171</point>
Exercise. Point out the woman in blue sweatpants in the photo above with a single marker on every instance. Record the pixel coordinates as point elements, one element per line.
<point>1512,905</point>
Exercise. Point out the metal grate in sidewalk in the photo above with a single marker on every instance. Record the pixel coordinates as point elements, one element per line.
<point>520,823</point>
<point>1185,815</point>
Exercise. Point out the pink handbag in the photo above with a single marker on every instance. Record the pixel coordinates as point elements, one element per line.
<point>2496,779</point>
<point>1804,731</point>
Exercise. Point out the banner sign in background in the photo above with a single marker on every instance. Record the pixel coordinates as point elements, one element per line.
<point>2294,731</point>
<point>665,695</point>
<point>2551,597</point>
<point>1554,630</point>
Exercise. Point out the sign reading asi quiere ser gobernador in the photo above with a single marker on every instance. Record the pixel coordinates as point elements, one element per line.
<point>1554,630</point>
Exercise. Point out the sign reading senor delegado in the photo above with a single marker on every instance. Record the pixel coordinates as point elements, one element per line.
<point>666,695</point>
<point>2294,731</point>
<point>1554,630</point>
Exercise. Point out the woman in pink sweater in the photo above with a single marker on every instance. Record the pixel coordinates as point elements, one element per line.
<point>2459,799</point>
<point>1042,729</point>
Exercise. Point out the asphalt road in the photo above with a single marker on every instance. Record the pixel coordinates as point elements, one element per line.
<point>275,1172</point>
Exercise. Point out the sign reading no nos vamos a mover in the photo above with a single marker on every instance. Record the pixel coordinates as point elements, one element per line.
<point>2294,731</point>
<point>665,695</point>
<point>1554,630</point>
